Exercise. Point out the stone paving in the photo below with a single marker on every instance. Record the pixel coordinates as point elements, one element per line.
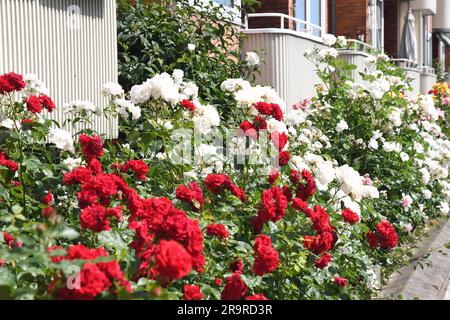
<point>429,283</point>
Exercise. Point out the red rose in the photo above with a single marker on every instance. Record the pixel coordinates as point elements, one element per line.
<point>48,199</point>
<point>94,218</point>
<point>216,182</point>
<point>10,241</point>
<point>218,282</point>
<point>302,206</point>
<point>5,162</point>
<point>187,104</point>
<point>192,194</point>
<point>139,168</point>
<point>47,212</point>
<point>47,103</point>
<point>237,266</point>
<point>279,140</point>
<point>273,176</point>
<point>92,147</point>
<point>372,239</point>
<point>235,288</point>
<point>387,236</point>
<point>306,190</point>
<point>258,296</point>
<point>192,292</point>
<point>34,104</point>
<point>260,123</point>
<point>284,158</point>
<point>341,282</point>
<point>172,260</point>
<point>218,230</point>
<point>323,261</point>
<point>266,257</point>
<point>350,216</point>
<point>276,112</point>
<point>264,108</point>
<point>321,220</point>
<point>237,192</point>
<point>11,82</point>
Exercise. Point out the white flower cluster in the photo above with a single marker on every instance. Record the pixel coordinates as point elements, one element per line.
<point>246,95</point>
<point>34,85</point>
<point>125,107</point>
<point>79,106</point>
<point>169,88</point>
<point>62,139</point>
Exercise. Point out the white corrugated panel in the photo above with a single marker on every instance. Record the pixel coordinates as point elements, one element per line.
<point>73,54</point>
<point>285,68</point>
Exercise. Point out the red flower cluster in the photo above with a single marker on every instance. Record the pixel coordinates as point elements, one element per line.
<point>94,277</point>
<point>217,182</point>
<point>10,241</point>
<point>192,292</point>
<point>341,282</point>
<point>35,104</point>
<point>385,236</point>
<point>237,266</point>
<point>92,147</point>
<point>218,230</point>
<point>11,82</point>
<point>273,208</point>
<point>95,217</point>
<point>157,218</point>
<point>187,104</point>
<point>307,189</point>
<point>172,260</point>
<point>273,176</point>
<point>235,288</point>
<point>269,109</point>
<point>266,257</point>
<point>139,168</point>
<point>5,162</point>
<point>325,237</point>
<point>350,216</point>
<point>192,194</point>
<point>323,261</point>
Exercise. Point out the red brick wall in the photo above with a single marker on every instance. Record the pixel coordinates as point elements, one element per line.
<point>351,18</point>
<point>391,27</point>
<point>273,6</point>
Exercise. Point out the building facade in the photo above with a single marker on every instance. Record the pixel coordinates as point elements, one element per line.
<point>71,45</point>
<point>284,29</point>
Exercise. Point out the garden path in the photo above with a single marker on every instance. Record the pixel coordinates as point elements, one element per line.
<point>427,283</point>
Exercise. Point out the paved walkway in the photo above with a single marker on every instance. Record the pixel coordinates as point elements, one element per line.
<point>431,282</point>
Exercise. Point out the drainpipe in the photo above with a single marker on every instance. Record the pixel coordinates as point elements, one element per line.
<point>333,17</point>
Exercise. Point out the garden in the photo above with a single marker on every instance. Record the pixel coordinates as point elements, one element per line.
<point>214,188</point>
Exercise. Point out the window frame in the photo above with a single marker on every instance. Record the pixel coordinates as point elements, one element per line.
<point>308,15</point>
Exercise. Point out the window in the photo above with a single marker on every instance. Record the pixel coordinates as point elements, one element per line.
<point>311,11</point>
<point>228,3</point>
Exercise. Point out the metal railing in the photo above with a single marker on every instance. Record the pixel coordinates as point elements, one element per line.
<point>405,63</point>
<point>292,23</point>
<point>427,70</point>
<point>359,46</point>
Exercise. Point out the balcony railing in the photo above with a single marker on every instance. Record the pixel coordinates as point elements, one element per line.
<point>359,46</point>
<point>286,23</point>
<point>427,70</point>
<point>405,63</point>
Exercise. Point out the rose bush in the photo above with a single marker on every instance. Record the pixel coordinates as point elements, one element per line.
<point>307,204</point>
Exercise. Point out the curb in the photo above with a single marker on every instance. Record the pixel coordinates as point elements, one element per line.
<point>431,282</point>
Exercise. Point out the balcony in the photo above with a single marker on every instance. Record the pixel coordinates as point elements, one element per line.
<point>283,40</point>
<point>428,7</point>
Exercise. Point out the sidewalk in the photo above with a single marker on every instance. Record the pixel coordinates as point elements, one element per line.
<point>429,283</point>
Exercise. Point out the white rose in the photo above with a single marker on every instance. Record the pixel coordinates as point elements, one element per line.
<point>252,59</point>
<point>341,126</point>
<point>62,139</point>
<point>191,47</point>
<point>329,39</point>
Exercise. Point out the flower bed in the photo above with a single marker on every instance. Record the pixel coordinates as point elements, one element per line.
<point>311,204</point>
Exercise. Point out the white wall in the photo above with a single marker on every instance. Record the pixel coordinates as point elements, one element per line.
<point>73,54</point>
<point>285,68</point>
